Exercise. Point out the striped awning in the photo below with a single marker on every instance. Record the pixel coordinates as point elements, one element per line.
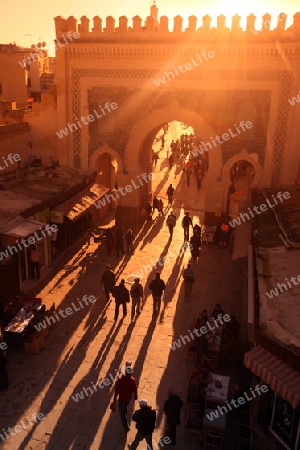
<point>76,206</point>
<point>283,379</point>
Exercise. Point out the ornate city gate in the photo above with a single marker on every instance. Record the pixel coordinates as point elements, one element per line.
<point>212,79</point>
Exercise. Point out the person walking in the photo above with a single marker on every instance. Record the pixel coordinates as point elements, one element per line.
<point>224,234</point>
<point>125,388</point>
<point>121,295</point>
<point>195,244</point>
<point>145,419</point>
<point>157,286</point>
<point>186,223</point>
<point>189,279</point>
<point>155,204</point>
<point>160,207</point>
<point>108,280</point>
<point>171,161</point>
<point>154,158</point>
<point>119,242</point>
<point>172,407</point>
<point>171,222</point>
<point>129,242</point>
<point>170,192</point>
<point>35,262</point>
<point>197,228</point>
<point>136,293</point>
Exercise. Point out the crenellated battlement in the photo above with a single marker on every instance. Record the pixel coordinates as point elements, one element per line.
<point>162,28</point>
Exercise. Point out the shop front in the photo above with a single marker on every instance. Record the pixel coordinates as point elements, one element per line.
<point>79,213</point>
<point>278,411</point>
<point>283,422</point>
<point>19,237</point>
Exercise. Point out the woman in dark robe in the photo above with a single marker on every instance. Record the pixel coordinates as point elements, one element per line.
<point>195,243</point>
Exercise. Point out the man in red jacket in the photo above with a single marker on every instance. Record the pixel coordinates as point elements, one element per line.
<point>124,388</point>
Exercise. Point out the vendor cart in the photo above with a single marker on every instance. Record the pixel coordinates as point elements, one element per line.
<point>208,233</point>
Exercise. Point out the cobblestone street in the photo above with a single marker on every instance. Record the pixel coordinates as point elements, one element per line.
<point>89,345</point>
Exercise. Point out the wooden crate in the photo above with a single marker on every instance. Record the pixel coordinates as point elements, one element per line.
<point>36,345</point>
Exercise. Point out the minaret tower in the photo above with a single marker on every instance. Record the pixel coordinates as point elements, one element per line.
<point>154,11</point>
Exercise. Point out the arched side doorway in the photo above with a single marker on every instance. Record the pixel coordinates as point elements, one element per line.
<point>242,156</point>
<point>239,185</point>
<point>108,164</point>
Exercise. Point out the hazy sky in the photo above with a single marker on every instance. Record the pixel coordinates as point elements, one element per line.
<point>20,18</point>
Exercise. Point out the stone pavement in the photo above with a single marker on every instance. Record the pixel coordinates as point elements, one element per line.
<point>88,345</point>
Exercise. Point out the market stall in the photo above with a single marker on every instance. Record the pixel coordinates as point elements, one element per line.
<point>21,325</point>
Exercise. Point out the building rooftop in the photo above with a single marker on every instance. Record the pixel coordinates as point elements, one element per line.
<point>277,249</point>
<point>23,193</point>
<point>14,48</point>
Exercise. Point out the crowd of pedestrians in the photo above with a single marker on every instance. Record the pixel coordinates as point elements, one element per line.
<point>122,295</point>
<point>157,286</point>
<point>126,388</point>
<point>185,153</point>
<point>117,240</point>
